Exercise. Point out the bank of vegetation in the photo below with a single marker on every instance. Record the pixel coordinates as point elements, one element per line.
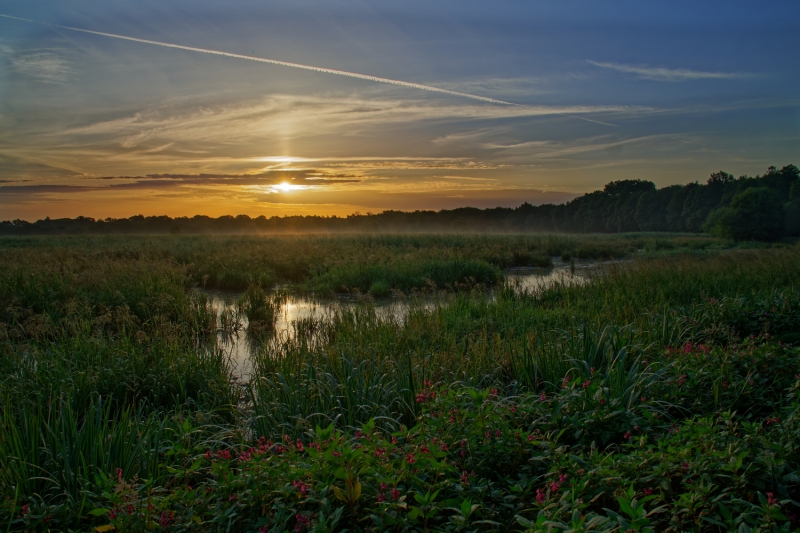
<point>661,396</point>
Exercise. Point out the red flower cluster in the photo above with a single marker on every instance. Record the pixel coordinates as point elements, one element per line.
<point>302,522</point>
<point>300,487</point>
<point>166,519</point>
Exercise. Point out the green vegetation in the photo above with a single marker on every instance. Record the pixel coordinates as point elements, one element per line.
<point>622,206</point>
<point>326,264</point>
<point>661,396</point>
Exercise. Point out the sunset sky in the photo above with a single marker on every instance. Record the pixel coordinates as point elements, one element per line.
<point>102,126</point>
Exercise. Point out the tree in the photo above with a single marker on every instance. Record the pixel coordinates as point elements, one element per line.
<point>754,214</point>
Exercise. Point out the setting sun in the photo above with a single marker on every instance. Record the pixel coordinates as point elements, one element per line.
<point>286,187</point>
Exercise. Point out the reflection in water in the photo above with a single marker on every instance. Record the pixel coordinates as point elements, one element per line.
<point>301,314</point>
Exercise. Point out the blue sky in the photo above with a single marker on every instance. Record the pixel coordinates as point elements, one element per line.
<point>666,91</point>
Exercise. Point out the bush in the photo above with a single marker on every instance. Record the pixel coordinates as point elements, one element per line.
<point>754,215</point>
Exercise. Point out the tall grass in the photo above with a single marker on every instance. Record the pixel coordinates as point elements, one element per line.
<point>331,262</point>
<point>361,365</point>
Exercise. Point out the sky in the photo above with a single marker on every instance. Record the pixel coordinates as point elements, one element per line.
<point>554,99</point>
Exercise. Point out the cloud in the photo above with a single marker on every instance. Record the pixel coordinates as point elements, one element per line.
<point>198,137</point>
<point>42,66</point>
<point>168,181</point>
<point>667,74</point>
<point>536,150</point>
<point>18,168</point>
<point>443,164</point>
<point>273,62</point>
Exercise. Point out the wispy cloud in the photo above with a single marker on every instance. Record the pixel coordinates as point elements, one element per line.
<point>611,146</point>
<point>42,66</point>
<point>669,74</point>
<point>230,137</point>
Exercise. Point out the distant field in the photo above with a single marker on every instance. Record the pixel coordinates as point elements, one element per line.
<point>660,396</point>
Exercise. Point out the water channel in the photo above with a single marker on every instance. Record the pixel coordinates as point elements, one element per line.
<point>238,345</point>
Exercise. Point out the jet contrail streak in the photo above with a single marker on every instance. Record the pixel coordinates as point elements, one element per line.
<point>293,65</point>
<point>273,61</point>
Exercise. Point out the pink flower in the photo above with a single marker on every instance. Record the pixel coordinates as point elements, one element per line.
<point>541,497</point>
<point>300,487</point>
<point>685,466</point>
<point>494,392</point>
<point>119,474</point>
<point>585,384</point>
<point>25,510</point>
<point>166,518</point>
<point>395,494</point>
<point>627,435</point>
<point>771,499</point>
<point>562,478</point>
<point>336,454</point>
<point>554,486</point>
<point>302,522</point>
<point>648,491</point>
<point>464,477</point>
<point>424,449</point>
<point>410,459</point>
<point>543,396</point>
<point>380,497</point>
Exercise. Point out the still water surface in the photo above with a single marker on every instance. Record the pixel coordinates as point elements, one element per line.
<point>238,345</point>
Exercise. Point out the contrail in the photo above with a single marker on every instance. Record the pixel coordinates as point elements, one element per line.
<point>273,61</point>
<point>293,65</point>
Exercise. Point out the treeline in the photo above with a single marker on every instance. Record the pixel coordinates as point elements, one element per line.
<point>746,208</point>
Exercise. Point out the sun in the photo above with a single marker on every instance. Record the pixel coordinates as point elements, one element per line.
<point>286,187</point>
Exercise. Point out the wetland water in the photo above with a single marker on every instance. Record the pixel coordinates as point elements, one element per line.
<point>299,309</point>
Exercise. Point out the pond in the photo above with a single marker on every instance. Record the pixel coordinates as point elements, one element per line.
<point>298,309</point>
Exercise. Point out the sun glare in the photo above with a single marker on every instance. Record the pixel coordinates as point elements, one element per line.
<point>286,187</point>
